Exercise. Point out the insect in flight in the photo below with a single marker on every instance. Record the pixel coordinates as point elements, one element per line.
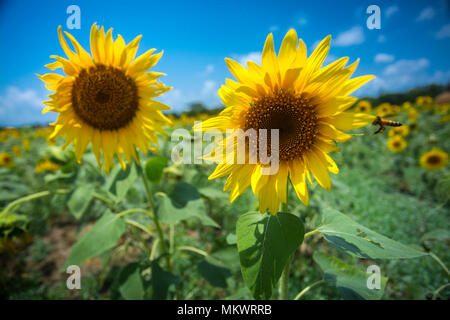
<point>384,122</point>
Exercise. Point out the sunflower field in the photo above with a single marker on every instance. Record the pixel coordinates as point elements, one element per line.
<point>118,199</point>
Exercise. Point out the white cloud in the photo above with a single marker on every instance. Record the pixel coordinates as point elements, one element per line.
<point>273,28</point>
<point>406,67</point>
<point>251,56</point>
<point>444,32</point>
<point>20,107</point>
<point>179,99</point>
<point>403,75</point>
<point>381,38</point>
<point>391,10</point>
<point>209,87</point>
<point>302,21</point>
<point>384,58</point>
<point>174,99</point>
<point>350,37</point>
<point>426,14</point>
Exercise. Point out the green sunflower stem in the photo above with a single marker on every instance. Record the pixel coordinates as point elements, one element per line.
<point>154,216</point>
<point>283,288</point>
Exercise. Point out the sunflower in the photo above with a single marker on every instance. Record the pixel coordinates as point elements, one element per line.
<point>434,159</point>
<point>400,131</point>
<point>26,144</point>
<point>17,151</point>
<point>6,160</point>
<point>396,143</point>
<point>384,109</point>
<point>106,99</point>
<point>412,115</point>
<point>406,105</point>
<point>364,106</point>
<point>292,93</point>
<point>425,102</point>
<point>46,165</point>
<point>445,119</point>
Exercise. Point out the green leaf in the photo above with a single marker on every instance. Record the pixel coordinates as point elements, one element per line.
<point>358,241</point>
<point>120,181</point>
<point>231,238</point>
<point>437,234</point>
<point>183,193</point>
<point>265,243</point>
<point>351,282</point>
<point>170,214</point>
<point>103,236</point>
<point>131,283</point>
<point>154,168</point>
<point>214,273</point>
<point>161,281</point>
<point>80,199</point>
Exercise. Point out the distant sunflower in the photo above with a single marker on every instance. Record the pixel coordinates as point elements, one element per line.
<point>400,131</point>
<point>384,109</point>
<point>292,93</point>
<point>364,106</point>
<point>425,102</point>
<point>17,151</point>
<point>106,99</point>
<point>396,143</point>
<point>26,144</point>
<point>434,159</point>
<point>412,115</point>
<point>6,160</point>
<point>406,105</point>
<point>46,165</point>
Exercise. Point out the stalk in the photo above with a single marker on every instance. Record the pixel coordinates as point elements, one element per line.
<point>154,216</point>
<point>284,279</point>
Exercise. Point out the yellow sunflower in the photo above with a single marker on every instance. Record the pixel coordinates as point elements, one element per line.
<point>6,160</point>
<point>384,109</point>
<point>425,102</point>
<point>26,144</point>
<point>412,115</point>
<point>406,105</point>
<point>364,106</point>
<point>17,151</point>
<point>292,93</point>
<point>46,165</point>
<point>396,143</point>
<point>445,119</point>
<point>400,131</point>
<point>434,159</point>
<point>106,99</point>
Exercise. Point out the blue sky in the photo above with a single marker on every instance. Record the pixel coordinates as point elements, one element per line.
<point>410,49</point>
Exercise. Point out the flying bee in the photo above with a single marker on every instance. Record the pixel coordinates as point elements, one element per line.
<point>384,122</point>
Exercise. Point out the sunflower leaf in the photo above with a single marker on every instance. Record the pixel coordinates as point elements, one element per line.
<point>358,241</point>
<point>351,282</point>
<point>103,236</point>
<point>265,243</point>
<point>154,168</point>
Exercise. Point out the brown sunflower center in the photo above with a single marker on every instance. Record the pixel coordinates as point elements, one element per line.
<point>295,117</point>
<point>434,160</point>
<point>105,97</point>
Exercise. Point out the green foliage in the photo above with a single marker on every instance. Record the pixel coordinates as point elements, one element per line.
<point>103,236</point>
<point>358,241</point>
<point>80,199</point>
<point>350,281</point>
<point>265,244</point>
<point>171,214</point>
<point>154,168</point>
